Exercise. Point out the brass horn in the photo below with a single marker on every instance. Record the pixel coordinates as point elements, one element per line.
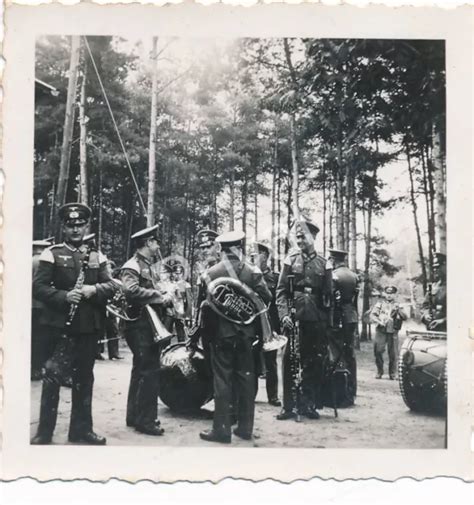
<point>235,301</point>
<point>160,332</point>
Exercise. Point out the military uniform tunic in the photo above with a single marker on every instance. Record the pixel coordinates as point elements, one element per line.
<point>434,305</point>
<point>313,292</point>
<point>231,351</point>
<point>140,280</point>
<point>57,273</point>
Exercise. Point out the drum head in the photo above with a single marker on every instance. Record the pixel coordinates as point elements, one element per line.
<point>185,380</point>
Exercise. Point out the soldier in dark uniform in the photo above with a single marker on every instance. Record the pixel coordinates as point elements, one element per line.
<point>313,293</point>
<point>208,250</point>
<point>209,256</point>
<point>56,286</point>
<point>40,344</point>
<point>345,317</point>
<point>270,357</point>
<point>231,346</point>
<point>434,305</point>
<point>140,282</point>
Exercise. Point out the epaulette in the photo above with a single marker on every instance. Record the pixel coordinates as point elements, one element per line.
<point>57,246</point>
<point>131,264</point>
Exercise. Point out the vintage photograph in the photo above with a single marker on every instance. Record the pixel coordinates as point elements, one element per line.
<point>239,242</point>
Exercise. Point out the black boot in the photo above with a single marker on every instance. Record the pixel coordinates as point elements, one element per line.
<point>89,438</point>
<point>212,436</point>
<point>41,439</point>
<point>284,415</point>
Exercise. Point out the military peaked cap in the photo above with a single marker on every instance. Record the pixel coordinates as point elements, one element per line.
<point>338,253</point>
<point>206,238</point>
<point>150,232</point>
<point>304,225</point>
<point>74,213</point>
<point>231,238</point>
<point>440,258</point>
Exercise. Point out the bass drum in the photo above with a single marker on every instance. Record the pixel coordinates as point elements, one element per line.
<point>185,379</point>
<point>422,371</point>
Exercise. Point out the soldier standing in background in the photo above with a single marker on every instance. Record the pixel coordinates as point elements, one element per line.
<point>345,317</point>
<point>140,281</point>
<point>270,357</point>
<point>73,283</point>
<point>434,305</point>
<point>40,344</point>
<point>387,314</point>
<point>313,293</point>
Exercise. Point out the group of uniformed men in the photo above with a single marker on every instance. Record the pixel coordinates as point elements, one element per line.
<point>74,284</point>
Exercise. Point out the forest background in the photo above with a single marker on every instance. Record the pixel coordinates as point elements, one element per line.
<point>247,134</point>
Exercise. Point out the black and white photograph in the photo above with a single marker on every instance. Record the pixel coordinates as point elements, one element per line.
<point>231,248</point>
<point>243,241</point>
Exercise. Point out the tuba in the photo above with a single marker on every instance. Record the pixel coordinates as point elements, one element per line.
<point>238,303</point>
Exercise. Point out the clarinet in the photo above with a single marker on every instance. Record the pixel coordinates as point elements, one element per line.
<point>295,358</point>
<point>79,283</point>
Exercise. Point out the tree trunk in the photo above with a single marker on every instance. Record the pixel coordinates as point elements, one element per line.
<point>68,122</point>
<point>439,184</point>
<point>295,167</point>
<point>353,226</point>
<point>428,214</point>
<point>339,211</point>
<point>414,207</point>
<point>324,210</point>
<point>274,196</point>
<point>84,183</point>
<point>152,145</point>
<point>232,201</point>
<point>368,246</point>
<point>244,204</point>
<point>255,211</point>
<point>99,231</point>
<point>279,217</point>
<point>347,205</point>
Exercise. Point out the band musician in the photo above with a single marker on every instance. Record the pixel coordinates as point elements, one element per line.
<point>73,283</point>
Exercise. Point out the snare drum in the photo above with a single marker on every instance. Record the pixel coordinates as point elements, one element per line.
<point>422,371</point>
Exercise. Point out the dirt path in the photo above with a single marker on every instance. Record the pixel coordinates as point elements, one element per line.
<point>379,419</point>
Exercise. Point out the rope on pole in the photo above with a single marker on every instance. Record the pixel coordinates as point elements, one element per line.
<point>115,125</point>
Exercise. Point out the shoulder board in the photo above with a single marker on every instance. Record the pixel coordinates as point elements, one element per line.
<point>47,255</point>
<point>131,264</point>
<point>102,257</point>
<point>56,246</point>
<point>291,256</point>
<point>255,269</point>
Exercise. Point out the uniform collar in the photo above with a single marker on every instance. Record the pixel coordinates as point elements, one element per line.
<point>309,256</point>
<point>266,271</point>
<point>143,258</point>
<point>81,248</point>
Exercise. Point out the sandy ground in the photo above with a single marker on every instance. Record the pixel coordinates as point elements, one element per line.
<point>379,419</point>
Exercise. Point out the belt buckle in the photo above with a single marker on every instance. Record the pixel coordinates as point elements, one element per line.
<point>308,291</point>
